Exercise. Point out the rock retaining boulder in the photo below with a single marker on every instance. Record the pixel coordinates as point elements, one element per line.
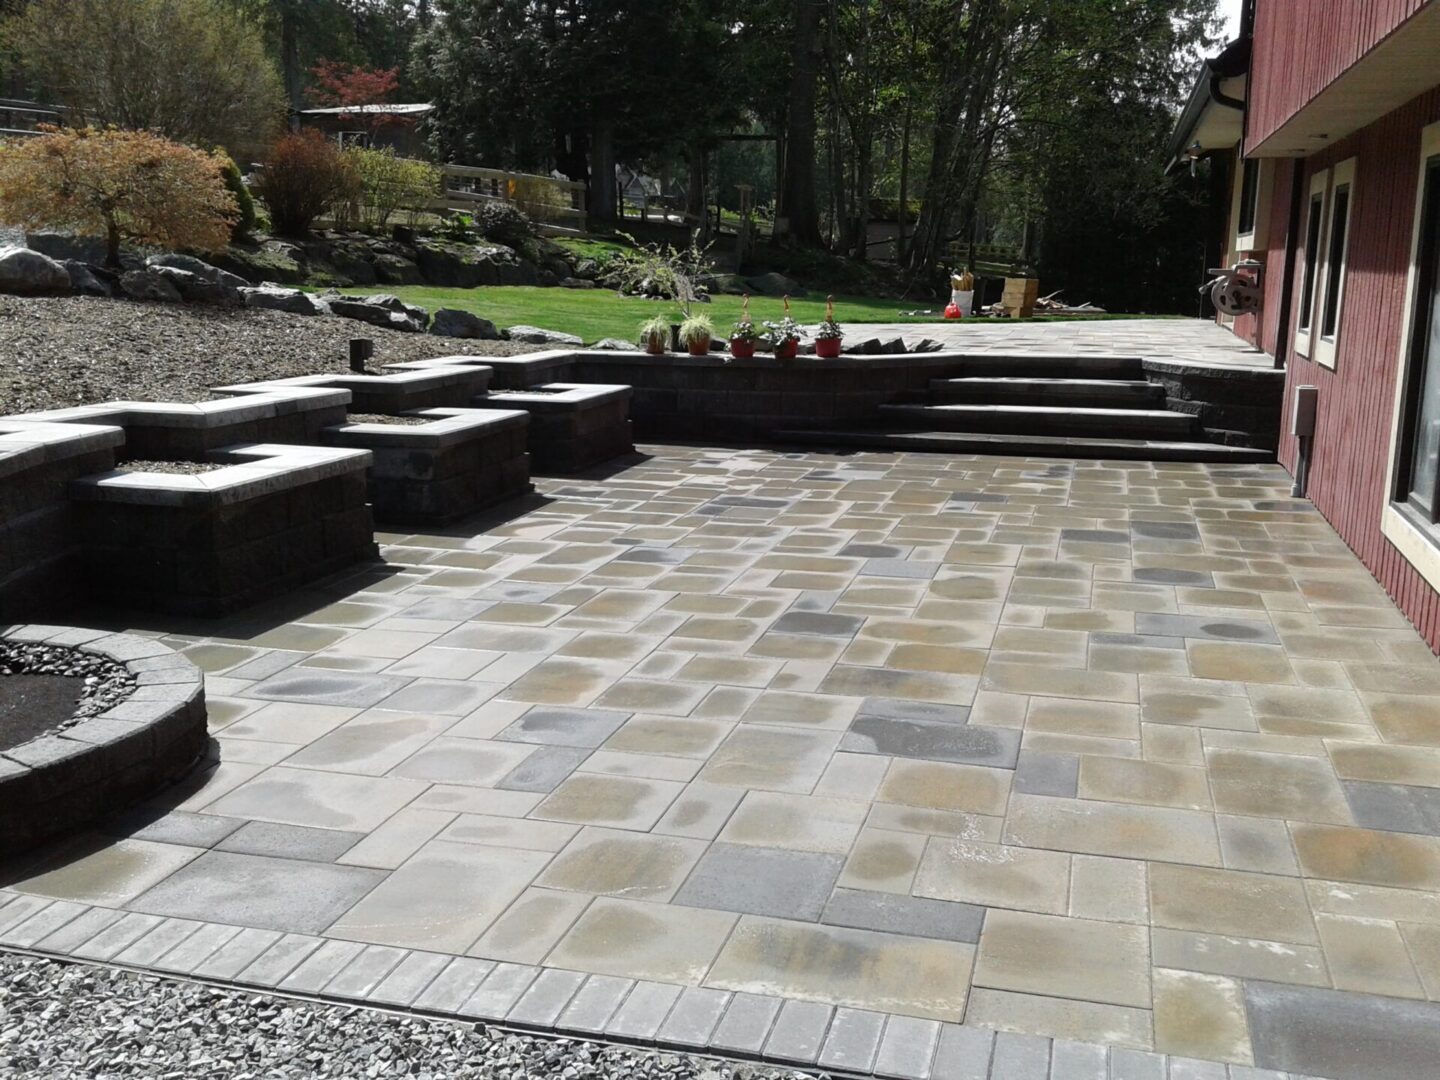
<point>29,273</point>
<point>611,344</point>
<point>272,297</point>
<point>379,310</point>
<point>199,267</point>
<point>534,335</point>
<point>196,289</point>
<point>85,280</point>
<point>452,322</point>
<point>149,284</point>
<point>774,284</point>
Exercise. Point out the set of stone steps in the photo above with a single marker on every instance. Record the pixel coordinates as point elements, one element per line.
<point>1039,405</point>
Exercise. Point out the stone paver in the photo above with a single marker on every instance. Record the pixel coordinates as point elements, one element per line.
<point>868,757</point>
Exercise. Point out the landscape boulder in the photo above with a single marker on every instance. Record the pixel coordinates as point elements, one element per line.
<point>266,260</point>
<point>392,269</point>
<point>452,322</point>
<point>576,283</point>
<point>461,265</point>
<point>149,284</point>
<point>727,284</point>
<point>380,310</point>
<point>272,297</point>
<point>198,267</point>
<point>29,273</point>
<point>534,335</point>
<point>774,284</point>
<point>612,344</point>
<point>195,289</point>
<point>62,245</point>
<point>85,280</point>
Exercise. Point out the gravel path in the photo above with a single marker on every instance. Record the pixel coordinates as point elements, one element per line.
<point>57,352</point>
<point>75,1021</point>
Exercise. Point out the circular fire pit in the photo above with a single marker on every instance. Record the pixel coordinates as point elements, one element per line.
<point>90,723</point>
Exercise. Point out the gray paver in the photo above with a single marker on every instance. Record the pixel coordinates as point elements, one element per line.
<point>1136,1065</point>
<point>119,935</point>
<point>236,954</point>
<point>899,568</point>
<point>173,827</point>
<point>798,1032</point>
<point>822,624</point>
<point>1045,772</point>
<point>157,942</point>
<point>907,1049</point>
<point>693,1018</point>
<point>453,986</point>
<point>1206,628</point>
<point>1194,1069</point>
<point>551,726</point>
<point>1337,1033</point>
<point>289,841</point>
<point>746,1024</point>
<point>899,914</point>
<point>1161,576</point>
<point>1247,1072</point>
<point>409,979</point>
<point>78,930</point>
<point>357,978</point>
<point>1394,807</point>
<point>315,686</point>
<point>761,881</point>
<point>194,949</point>
<point>852,1040</point>
<point>1020,1057</point>
<point>22,908</point>
<point>42,923</point>
<point>594,1003</point>
<point>1071,1060</point>
<point>272,966</point>
<point>963,1053</point>
<point>320,967</point>
<point>545,769</point>
<point>995,748</point>
<point>497,995</point>
<point>903,709</point>
<point>545,998</point>
<point>643,1011</point>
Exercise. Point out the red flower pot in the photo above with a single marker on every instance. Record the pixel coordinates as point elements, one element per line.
<point>655,346</point>
<point>828,348</point>
<point>785,350</point>
<point>742,348</point>
<point>698,348</point>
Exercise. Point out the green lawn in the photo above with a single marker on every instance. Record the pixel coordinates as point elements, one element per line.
<point>599,313</point>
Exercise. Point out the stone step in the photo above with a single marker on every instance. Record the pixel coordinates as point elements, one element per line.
<point>1044,420</point>
<point>1022,390</point>
<point>1036,365</point>
<point>973,442</point>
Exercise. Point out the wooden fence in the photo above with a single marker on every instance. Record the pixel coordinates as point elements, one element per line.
<point>21,118</point>
<point>543,198</point>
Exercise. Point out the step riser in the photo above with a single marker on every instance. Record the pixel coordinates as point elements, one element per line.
<point>1057,367</point>
<point>1058,397</point>
<point>1138,426</point>
<point>1019,447</point>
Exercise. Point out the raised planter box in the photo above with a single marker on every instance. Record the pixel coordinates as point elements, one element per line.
<point>106,763</point>
<point>461,461</point>
<point>40,551</point>
<point>573,427</point>
<point>275,517</point>
<point>403,387</point>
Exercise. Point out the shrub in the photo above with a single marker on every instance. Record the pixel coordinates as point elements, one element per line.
<point>503,222</point>
<point>122,185</point>
<point>661,271</point>
<point>196,71</point>
<point>697,329</point>
<point>244,201</point>
<point>389,184</point>
<point>304,176</point>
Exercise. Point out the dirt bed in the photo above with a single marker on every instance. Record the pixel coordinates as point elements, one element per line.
<point>58,352</point>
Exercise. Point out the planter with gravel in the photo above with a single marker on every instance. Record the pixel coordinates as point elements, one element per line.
<point>91,722</point>
<point>573,426</point>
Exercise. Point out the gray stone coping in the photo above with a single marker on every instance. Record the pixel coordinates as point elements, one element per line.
<point>268,400</point>
<point>447,427</point>
<point>261,469</point>
<point>26,442</point>
<point>402,376</point>
<point>562,397</point>
<point>1218,371</point>
<point>105,763</point>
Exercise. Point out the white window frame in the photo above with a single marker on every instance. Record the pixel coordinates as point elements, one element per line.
<point>1341,176</point>
<point>1258,236</point>
<point>1319,185</point>
<point>1419,547</point>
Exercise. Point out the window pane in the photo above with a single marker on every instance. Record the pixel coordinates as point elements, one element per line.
<point>1339,216</point>
<point>1312,258</point>
<point>1425,457</point>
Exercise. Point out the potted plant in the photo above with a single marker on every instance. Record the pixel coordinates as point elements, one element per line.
<point>785,335</point>
<point>654,333</point>
<point>827,337</point>
<point>745,335</point>
<point>697,331</point>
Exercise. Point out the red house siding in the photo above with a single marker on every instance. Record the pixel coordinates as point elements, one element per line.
<point>1301,46</point>
<point>1351,451</point>
<point>1273,256</point>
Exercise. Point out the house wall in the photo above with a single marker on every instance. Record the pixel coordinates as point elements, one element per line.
<point>1301,46</point>
<point>1351,452</point>
<point>1263,330</point>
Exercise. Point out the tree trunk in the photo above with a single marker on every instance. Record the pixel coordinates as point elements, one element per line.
<point>290,58</point>
<point>799,188</point>
<point>112,243</point>
<point>695,202</point>
<point>903,218</point>
<point>602,201</point>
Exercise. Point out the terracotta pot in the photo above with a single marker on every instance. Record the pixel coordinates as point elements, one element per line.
<point>699,348</point>
<point>785,350</point>
<point>742,348</point>
<point>655,346</point>
<point>828,348</point>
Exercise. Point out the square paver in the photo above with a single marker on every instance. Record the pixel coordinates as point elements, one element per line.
<point>761,881</point>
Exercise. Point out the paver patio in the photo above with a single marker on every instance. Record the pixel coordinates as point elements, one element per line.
<point>1128,753</point>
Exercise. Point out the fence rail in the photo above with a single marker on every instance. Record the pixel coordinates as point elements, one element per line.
<point>543,198</point>
<point>20,119</point>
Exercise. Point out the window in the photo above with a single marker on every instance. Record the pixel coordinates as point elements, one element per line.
<point>1314,261</point>
<point>1419,485</point>
<point>1336,246</point>
<point>1249,195</point>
